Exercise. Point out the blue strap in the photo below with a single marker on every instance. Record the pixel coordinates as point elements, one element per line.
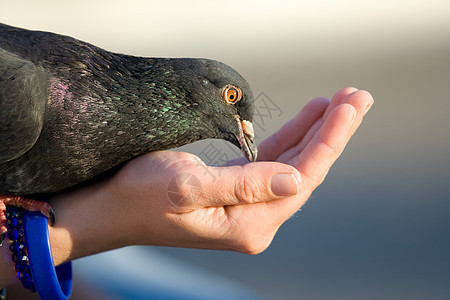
<point>50,282</point>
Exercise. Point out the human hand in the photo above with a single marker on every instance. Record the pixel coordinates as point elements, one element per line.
<point>239,207</point>
<point>173,199</point>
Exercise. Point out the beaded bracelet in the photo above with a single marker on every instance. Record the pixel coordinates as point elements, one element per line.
<point>33,256</point>
<point>14,224</point>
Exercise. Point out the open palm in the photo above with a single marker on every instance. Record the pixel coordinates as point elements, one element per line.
<point>241,206</point>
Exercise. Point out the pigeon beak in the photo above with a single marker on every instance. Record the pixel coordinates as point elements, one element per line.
<point>246,139</point>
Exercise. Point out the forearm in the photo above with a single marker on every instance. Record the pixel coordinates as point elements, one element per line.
<point>86,223</point>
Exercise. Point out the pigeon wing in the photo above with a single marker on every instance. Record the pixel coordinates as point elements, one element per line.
<point>23,96</point>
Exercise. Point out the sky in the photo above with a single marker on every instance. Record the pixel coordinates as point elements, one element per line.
<point>283,28</point>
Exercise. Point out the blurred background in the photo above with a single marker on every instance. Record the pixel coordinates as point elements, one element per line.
<point>379,226</point>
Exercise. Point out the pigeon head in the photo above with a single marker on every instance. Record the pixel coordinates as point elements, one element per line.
<point>223,98</point>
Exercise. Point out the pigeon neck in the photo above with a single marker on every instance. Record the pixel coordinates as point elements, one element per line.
<point>154,105</point>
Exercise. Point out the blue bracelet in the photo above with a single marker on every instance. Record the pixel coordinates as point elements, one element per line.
<point>14,223</point>
<point>50,282</point>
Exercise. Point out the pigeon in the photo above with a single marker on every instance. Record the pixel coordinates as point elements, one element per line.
<point>71,112</point>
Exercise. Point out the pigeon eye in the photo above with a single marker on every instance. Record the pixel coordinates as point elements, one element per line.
<point>232,94</point>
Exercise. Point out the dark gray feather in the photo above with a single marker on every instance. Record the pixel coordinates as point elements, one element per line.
<point>71,112</point>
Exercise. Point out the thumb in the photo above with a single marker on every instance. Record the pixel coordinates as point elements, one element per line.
<point>244,184</point>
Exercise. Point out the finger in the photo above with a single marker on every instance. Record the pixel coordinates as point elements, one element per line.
<point>362,101</point>
<point>352,96</point>
<point>317,158</point>
<point>296,149</point>
<point>293,131</point>
<point>291,139</point>
<point>326,146</point>
<point>315,161</point>
<point>224,186</point>
<point>339,98</point>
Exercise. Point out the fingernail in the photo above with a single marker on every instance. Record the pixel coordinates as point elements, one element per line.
<point>353,117</point>
<point>284,184</point>
<point>368,107</point>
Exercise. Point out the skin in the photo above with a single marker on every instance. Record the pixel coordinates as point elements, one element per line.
<point>239,210</point>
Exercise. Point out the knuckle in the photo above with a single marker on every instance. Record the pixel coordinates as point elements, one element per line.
<point>249,238</point>
<point>183,190</point>
<point>248,241</point>
<point>245,189</point>
<point>252,246</point>
<point>321,178</point>
<point>183,162</point>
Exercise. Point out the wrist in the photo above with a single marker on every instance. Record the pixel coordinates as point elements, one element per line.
<point>88,221</point>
